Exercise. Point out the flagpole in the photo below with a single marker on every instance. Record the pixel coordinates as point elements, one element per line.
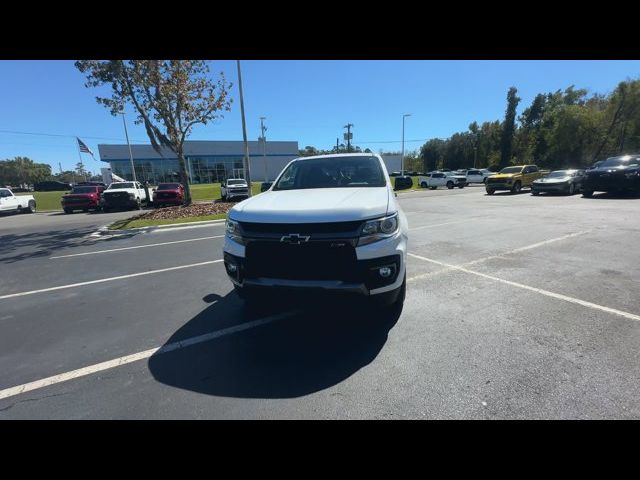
<point>79,156</point>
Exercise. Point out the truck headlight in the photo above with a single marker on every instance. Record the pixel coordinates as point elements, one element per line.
<point>378,229</point>
<point>233,231</point>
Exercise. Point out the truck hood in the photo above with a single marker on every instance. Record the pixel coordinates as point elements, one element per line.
<point>552,180</point>
<point>313,205</point>
<point>505,176</point>
<point>80,195</point>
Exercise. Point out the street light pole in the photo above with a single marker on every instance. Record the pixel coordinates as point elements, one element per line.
<point>402,156</point>
<point>263,139</point>
<point>126,134</point>
<point>247,173</point>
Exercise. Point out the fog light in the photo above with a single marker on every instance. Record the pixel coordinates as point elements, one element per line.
<point>385,272</point>
<point>232,268</point>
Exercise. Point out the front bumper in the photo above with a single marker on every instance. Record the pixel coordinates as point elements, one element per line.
<point>612,183</point>
<point>119,202</point>
<point>237,193</point>
<point>365,279</point>
<point>80,205</point>
<point>550,187</point>
<point>499,186</point>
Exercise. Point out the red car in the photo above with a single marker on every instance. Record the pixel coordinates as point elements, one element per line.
<point>168,194</point>
<point>85,198</point>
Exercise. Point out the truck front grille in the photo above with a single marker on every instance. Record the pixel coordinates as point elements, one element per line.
<point>314,260</point>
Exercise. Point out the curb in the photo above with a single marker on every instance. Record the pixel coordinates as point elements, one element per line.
<point>105,231</point>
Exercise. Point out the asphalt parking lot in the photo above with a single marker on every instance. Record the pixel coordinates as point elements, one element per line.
<point>517,307</point>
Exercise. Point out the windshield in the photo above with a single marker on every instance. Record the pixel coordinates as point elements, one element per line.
<point>332,172</point>
<point>84,190</point>
<point>169,186</point>
<point>114,186</point>
<point>511,170</point>
<point>620,162</point>
<point>236,182</point>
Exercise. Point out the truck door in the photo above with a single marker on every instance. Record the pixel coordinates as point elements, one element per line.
<point>7,201</point>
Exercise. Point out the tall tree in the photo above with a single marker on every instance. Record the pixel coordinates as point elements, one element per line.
<point>23,171</point>
<point>508,127</point>
<point>170,97</point>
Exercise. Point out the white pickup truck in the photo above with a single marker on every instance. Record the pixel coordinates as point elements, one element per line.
<point>12,203</point>
<point>434,180</point>
<point>124,194</point>
<point>234,188</point>
<point>330,224</point>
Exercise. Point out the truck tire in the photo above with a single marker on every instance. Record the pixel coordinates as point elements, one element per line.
<point>535,193</point>
<point>490,191</point>
<point>461,185</point>
<point>449,185</point>
<point>516,187</point>
<point>587,193</point>
<point>423,184</point>
<point>68,211</point>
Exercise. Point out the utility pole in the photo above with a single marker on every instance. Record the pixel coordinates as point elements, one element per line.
<point>402,157</point>
<point>263,139</point>
<point>348,136</point>
<point>126,134</point>
<point>247,174</point>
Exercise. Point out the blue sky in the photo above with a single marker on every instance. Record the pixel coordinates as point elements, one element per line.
<point>307,101</point>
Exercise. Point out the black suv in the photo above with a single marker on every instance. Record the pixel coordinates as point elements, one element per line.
<point>52,186</point>
<point>615,174</point>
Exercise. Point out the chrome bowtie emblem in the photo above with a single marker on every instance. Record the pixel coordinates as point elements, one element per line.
<point>295,238</point>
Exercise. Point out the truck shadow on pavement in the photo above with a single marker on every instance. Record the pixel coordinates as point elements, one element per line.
<point>14,248</point>
<point>317,347</point>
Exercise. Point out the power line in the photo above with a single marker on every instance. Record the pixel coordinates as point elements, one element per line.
<point>64,136</point>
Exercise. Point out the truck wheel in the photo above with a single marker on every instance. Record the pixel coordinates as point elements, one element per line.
<point>461,185</point>
<point>535,193</point>
<point>449,185</point>
<point>423,184</point>
<point>587,193</point>
<point>32,206</point>
<point>516,187</point>
<point>490,191</point>
<point>68,211</point>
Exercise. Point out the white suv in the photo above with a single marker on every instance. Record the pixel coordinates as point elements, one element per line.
<point>329,223</point>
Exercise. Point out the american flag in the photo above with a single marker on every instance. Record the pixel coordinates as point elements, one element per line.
<point>83,147</point>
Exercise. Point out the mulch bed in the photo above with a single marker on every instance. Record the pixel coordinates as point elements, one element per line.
<point>194,210</point>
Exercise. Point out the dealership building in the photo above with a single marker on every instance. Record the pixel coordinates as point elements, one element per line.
<point>207,161</point>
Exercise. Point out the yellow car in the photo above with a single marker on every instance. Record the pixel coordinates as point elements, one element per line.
<point>513,178</point>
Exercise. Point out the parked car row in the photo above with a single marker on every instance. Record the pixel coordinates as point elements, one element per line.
<point>615,175</point>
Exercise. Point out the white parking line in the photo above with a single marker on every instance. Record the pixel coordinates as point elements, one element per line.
<point>133,248</point>
<point>492,257</point>
<point>110,279</point>
<point>440,224</point>
<point>541,291</point>
<point>117,362</point>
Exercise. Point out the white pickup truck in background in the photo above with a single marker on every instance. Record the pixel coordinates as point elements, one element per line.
<point>125,195</point>
<point>434,180</point>
<point>12,203</point>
